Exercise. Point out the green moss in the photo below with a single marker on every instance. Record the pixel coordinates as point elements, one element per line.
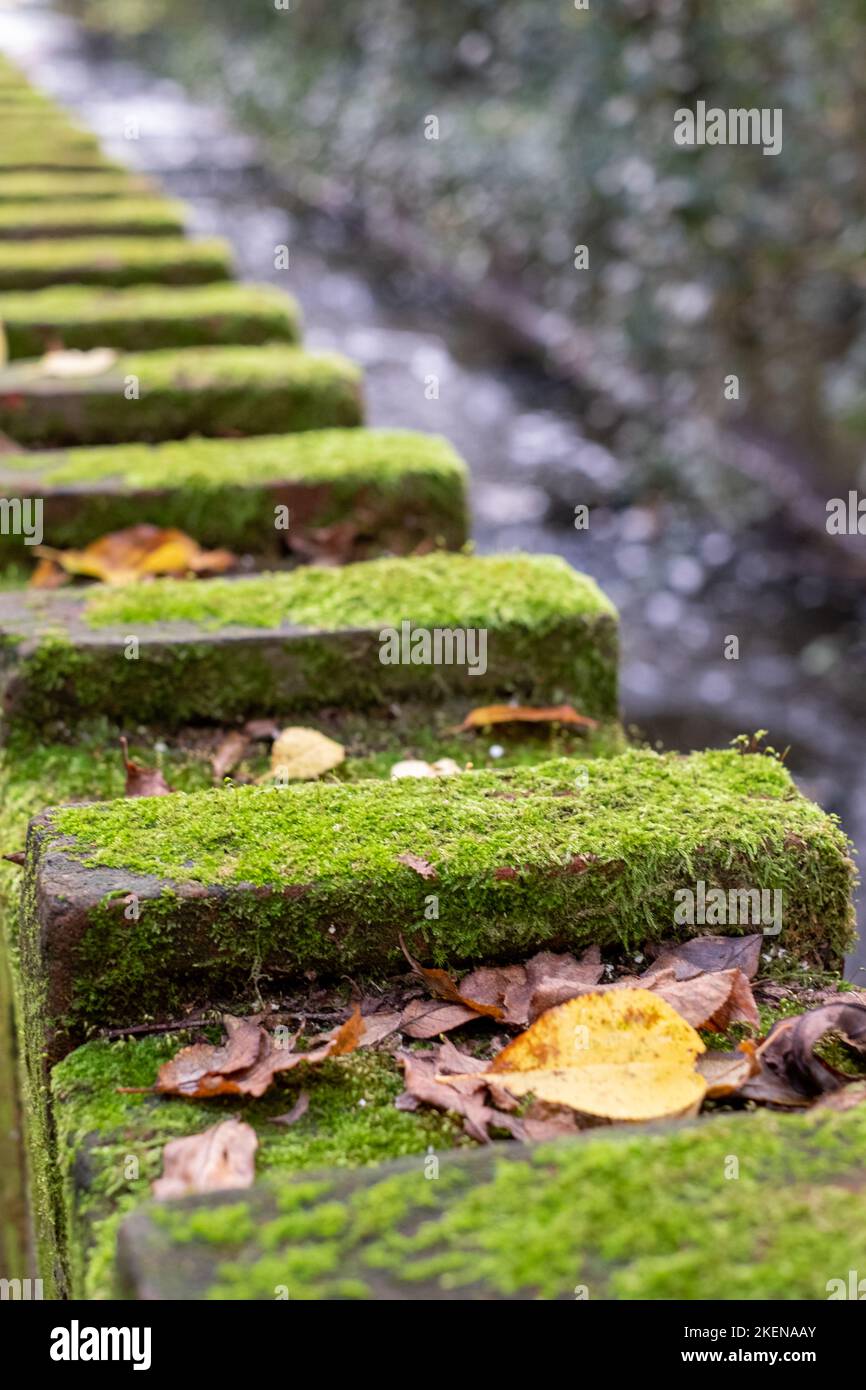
<point>144,317</point>
<point>205,390</point>
<point>395,489</point>
<point>116,260</point>
<point>109,1145</point>
<point>755,1207</point>
<point>65,187</point>
<point>381,457</point>
<point>434,591</point>
<point>118,216</point>
<point>32,777</point>
<point>597,864</point>
<point>550,636</point>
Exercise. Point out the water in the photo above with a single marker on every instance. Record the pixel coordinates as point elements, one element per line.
<point>683,584</point>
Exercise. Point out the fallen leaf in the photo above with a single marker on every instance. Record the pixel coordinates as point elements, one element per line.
<point>788,1062</point>
<point>467,1100</point>
<point>297,1112</point>
<point>247,1063</point>
<point>525,991</point>
<point>216,1160</point>
<point>727,1072</point>
<point>713,1001</point>
<point>377,1027</point>
<point>48,575</point>
<point>300,754</point>
<point>709,953</point>
<point>421,866</point>
<point>439,982</point>
<point>486,715</point>
<point>262,728</point>
<point>417,767</point>
<point>229,753</point>
<point>142,781</point>
<point>542,1122</point>
<point>426,1018</point>
<point>71,362</point>
<point>138,552</point>
<point>624,1055</point>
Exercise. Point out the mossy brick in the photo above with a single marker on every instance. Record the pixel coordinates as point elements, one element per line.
<point>105,217</point>
<point>112,260</point>
<point>36,775</point>
<point>614,1214</point>
<point>248,882</point>
<point>285,642</point>
<point>351,1121</point>
<point>36,156</point>
<point>142,318</point>
<point>393,490</point>
<point>49,133</point>
<point>99,184</point>
<point>172,393</point>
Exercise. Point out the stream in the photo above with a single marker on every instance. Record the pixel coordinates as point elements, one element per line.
<point>683,582</point>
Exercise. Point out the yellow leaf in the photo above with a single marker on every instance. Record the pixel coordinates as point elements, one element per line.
<point>625,1055</point>
<point>123,556</point>
<point>299,753</point>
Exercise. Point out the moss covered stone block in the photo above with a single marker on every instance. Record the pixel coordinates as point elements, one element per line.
<point>614,1214</point>
<point>142,317</point>
<point>483,628</point>
<point>169,394</point>
<point>104,217</point>
<point>145,317</point>
<point>57,186</point>
<point>391,491</point>
<point>246,882</point>
<point>351,1121</point>
<point>35,156</point>
<point>116,260</point>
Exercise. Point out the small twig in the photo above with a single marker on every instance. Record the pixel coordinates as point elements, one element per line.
<point>171,1027</point>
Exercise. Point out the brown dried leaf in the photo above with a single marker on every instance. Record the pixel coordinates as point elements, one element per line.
<point>727,1072</point>
<point>377,1027</point>
<point>216,1160</point>
<point>48,575</point>
<point>426,1018</point>
<point>247,1064</point>
<point>465,1098</point>
<point>439,982</point>
<point>709,953</point>
<point>713,1001</point>
<point>229,753</point>
<point>142,781</point>
<point>297,1112</point>
<point>421,866</point>
<point>486,715</point>
<point>525,991</point>
<point>788,1062</point>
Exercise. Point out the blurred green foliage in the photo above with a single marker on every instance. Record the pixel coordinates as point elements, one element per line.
<point>556,129</point>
